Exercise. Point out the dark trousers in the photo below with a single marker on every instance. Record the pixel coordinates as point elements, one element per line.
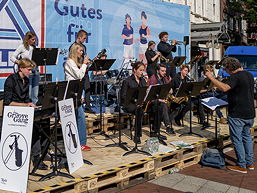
<point>139,113</point>
<point>170,70</point>
<point>87,89</point>
<point>160,112</point>
<point>195,102</point>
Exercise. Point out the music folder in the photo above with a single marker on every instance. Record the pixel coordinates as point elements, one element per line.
<point>100,64</point>
<point>189,89</point>
<point>157,92</point>
<point>135,96</point>
<point>45,56</point>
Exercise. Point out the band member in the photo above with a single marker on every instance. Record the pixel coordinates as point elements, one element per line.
<point>127,35</point>
<point>166,50</point>
<point>210,91</point>
<point>74,69</point>
<point>181,77</point>
<point>152,59</point>
<point>81,38</point>
<point>163,112</point>
<point>241,112</point>
<point>16,93</point>
<point>135,80</point>
<point>144,33</point>
<point>25,50</point>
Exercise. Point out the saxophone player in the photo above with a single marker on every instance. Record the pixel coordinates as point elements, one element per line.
<point>161,78</point>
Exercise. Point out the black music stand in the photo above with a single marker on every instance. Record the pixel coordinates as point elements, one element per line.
<point>100,65</point>
<point>155,93</point>
<point>44,57</point>
<point>177,60</point>
<point>212,103</point>
<point>189,89</point>
<point>74,91</point>
<point>136,96</point>
<point>53,98</point>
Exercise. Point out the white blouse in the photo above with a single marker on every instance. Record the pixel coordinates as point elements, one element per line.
<point>22,52</point>
<point>72,71</point>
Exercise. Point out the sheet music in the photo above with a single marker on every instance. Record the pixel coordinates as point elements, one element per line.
<point>213,102</point>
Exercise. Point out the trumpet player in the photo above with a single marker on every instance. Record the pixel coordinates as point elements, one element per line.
<point>152,58</point>
<point>166,50</point>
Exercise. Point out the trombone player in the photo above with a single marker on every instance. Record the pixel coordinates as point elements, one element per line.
<point>166,50</point>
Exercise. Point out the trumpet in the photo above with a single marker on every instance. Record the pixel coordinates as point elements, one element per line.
<point>178,42</point>
<point>162,57</point>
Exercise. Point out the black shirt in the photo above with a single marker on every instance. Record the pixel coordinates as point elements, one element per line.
<point>177,81</point>
<point>130,82</point>
<point>241,95</point>
<point>166,49</point>
<point>15,90</point>
<point>149,54</point>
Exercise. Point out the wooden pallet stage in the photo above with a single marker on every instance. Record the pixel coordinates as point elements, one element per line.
<point>112,172</point>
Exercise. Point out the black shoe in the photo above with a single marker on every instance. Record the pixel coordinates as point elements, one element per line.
<point>41,165</point>
<point>161,141</point>
<point>177,121</point>
<point>205,125</point>
<point>137,140</point>
<point>153,134</point>
<point>170,131</point>
<point>163,137</point>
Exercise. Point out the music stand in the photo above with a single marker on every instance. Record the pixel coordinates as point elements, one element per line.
<point>189,89</point>
<point>177,60</point>
<point>74,91</point>
<point>212,103</point>
<point>136,96</point>
<point>100,65</point>
<point>55,94</point>
<point>44,57</point>
<point>155,93</point>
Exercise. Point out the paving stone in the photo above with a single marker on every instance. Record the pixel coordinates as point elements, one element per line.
<point>234,189</point>
<point>208,190</point>
<point>219,187</point>
<point>168,180</point>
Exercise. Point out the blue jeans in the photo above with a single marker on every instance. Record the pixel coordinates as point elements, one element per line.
<point>242,140</point>
<point>33,87</point>
<point>81,124</point>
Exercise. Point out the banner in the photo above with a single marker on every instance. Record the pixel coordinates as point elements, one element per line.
<point>15,148</point>
<point>56,23</point>
<point>70,135</point>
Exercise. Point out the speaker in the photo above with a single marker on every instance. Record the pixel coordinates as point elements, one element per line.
<point>186,40</point>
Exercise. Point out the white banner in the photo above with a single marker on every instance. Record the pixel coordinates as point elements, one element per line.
<point>15,148</point>
<point>70,135</point>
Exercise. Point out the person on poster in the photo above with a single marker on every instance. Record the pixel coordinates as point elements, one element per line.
<point>241,111</point>
<point>127,35</point>
<point>74,69</point>
<point>25,50</point>
<point>16,93</point>
<point>144,32</point>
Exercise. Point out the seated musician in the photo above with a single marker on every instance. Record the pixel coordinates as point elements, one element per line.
<point>163,112</point>
<point>181,77</point>
<point>152,59</point>
<point>16,93</point>
<point>210,91</point>
<point>135,80</point>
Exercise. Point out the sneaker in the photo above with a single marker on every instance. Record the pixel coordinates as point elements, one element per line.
<point>170,131</point>
<point>85,148</point>
<point>249,167</point>
<point>237,169</point>
<point>223,120</point>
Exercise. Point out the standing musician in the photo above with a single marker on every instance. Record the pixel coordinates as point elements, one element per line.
<point>181,77</point>
<point>81,38</point>
<point>166,50</point>
<point>74,69</point>
<point>16,93</point>
<point>134,81</point>
<point>152,59</point>
<point>241,111</point>
<point>163,112</point>
<point>25,50</point>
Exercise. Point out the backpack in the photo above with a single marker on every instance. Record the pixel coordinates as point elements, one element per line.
<point>212,158</point>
